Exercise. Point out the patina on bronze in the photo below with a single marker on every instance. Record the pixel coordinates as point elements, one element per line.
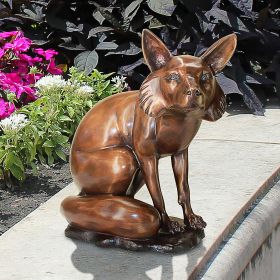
<point>119,142</point>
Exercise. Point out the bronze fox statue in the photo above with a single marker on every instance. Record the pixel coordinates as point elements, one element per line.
<point>119,142</point>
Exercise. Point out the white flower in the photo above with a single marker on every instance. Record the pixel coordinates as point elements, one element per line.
<point>120,82</point>
<point>50,82</point>
<point>14,122</point>
<point>85,90</point>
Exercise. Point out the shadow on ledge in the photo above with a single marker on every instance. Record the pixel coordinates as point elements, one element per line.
<point>112,264</point>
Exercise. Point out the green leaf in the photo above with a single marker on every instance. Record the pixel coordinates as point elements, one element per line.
<point>17,161</point>
<point>41,133</point>
<point>60,139</point>
<point>48,151</point>
<point>2,154</point>
<point>89,103</point>
<point>71,111</point>
<point>66,131</point>
<point>96,75</point>
<point>32,150</point>
<point>86,61</point>
<point>65,118</point>
<point>60,154</point>
<point>48,144</point>
<point>105,76</point>
<point>17,172</point>
<point>8,161</point>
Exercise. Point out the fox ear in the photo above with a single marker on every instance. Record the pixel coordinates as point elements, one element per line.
<point>218,55</point>
<point>217,107</point>
<point>155,53</point>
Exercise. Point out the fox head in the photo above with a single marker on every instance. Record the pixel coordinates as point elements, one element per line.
<point>184,84</point>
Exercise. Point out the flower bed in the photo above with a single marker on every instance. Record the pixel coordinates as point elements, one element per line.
<point>40,112</point>
<point>41,131</point>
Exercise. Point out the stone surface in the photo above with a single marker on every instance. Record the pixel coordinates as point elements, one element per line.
<point>225,173</point>
<point>253,251</point>
<point>244,127</point>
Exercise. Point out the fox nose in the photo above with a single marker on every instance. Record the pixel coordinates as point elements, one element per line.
<point>193,92</point>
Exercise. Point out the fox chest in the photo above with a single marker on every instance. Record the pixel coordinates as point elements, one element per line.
<point>175,135</point>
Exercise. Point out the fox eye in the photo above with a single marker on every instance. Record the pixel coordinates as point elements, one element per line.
<point>205,77</point>
<point>173,77</point>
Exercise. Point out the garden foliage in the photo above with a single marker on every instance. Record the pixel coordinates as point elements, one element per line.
<point>107,34</point>
<point>41,131</point>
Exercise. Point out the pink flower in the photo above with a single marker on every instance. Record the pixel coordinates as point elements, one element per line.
<point>6,109</point>
<point>16,66</point>
<point>30,93</point>
<point>30,60</point>
<point>15,83</point>
<point>4,35</point>
<point>47,54</point>
<point>21,66</point>
<point>36,59</point>
<point>8,81</point>
<point>18,45</point>
<point>13,77</point>
<point>52,69</point>
<point>33,78</point>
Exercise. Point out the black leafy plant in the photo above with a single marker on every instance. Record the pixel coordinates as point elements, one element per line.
<point>107,34</point>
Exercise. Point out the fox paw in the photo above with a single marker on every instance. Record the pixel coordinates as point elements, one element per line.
<point>195,222</point>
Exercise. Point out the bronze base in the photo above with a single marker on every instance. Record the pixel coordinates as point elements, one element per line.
<point>162,243</point>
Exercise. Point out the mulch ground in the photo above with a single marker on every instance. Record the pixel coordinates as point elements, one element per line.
<point>16,204</point>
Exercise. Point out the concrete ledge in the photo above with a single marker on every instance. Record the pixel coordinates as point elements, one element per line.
<point>242,246</point>
<point>228,170</point>
<point>233,225</point>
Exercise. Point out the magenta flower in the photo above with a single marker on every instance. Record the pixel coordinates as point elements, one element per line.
<point>13,77</point>
<point>5,35</point>
<point>16,60</point>
<point>9,81</point>
<point>6,108</point>
<point>30,93</point>
<point>30,60</point>
<point>21,66</point>
<point>52,69</point>
<point>47,54</point>
<point>18,45</point>
<point>5,83</point>
<point>33,78</point>
<point>15,83</point>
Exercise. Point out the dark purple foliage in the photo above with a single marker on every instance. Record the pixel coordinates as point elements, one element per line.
<point>113,29</point>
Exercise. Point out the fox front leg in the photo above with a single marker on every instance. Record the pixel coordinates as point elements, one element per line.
<point>180,169</point>
<point>149,168</point>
